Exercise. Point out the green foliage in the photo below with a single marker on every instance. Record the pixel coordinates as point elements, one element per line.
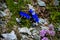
<point>25,23</point>
<point>55,16</point>
<point>15,8</point>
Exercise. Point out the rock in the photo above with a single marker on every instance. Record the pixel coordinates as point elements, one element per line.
<point>7,11</point>
<point>35,32</point>
<point>35,24</point>
<point>2,14</point>
<point>2,23</point>
<point>58,28</point>
<point>44,28</point>
<point>31,7</point>
<point>31,29</point>
<point>4,5</point>
<point>41,21</point>
<point>8,15</point>
<point>41,3</point>
<point>56,2</point>
<point>24,30</point>
<point>36,37</point>
<point>10,36</point>
<point>18,20</point>
<point>24,36</point>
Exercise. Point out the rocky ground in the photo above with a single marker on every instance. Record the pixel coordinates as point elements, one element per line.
<point>44,30</point>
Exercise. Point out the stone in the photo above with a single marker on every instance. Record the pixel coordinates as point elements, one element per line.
<point>36,37</point>
<point>7,11</point>
<point>34,24</point>
<point>41,21</point>
<point>24,36</point>
<point>2,14</point>
<point>10,36</point>
<point>35,32</point>
<point>56,2</point>
<point>2,23</point>
<point>31,7</point>
<point>18,20</point>
<point>44,28</point>
<point>31,29</point>
<point>58,28</point>
<point>4,5</point>
<point>41,3</point>
<point>24,30</point>
<point>8,15</point>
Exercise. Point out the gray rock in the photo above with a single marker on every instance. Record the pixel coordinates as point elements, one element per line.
<point>58,28</point>
<point>41,21</point>
<point>2,14</point>
<point>41,3</point>
<point>4,5</point>
<point>18,20</point>
<point>56,2</point>
<point>24,30</point>
<point>36,37</point>
<point>35,32</point>
<point>2,23</point>
<point>10,36</point>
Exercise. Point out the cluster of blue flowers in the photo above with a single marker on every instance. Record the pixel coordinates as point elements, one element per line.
<point>23,14</point>
<point>27,16</point>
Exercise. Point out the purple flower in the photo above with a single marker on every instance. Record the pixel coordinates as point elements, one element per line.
<point>51,27</point>
<point>45,38</point>
<point>42,33</point>
<point>52,33</point>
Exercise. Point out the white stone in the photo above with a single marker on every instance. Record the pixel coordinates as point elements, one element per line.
<point>3,13</point>
<point>41,3</point>
<point>17,19</point>
<point>24,30</point>
<point>31,29</point>
<point>10,36</point>
<point>35,32</point>
<point>41,21</point>
<point>4,5</point>
<point>7,11</point>
<point>31,7</point>
<point>44,28</point>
